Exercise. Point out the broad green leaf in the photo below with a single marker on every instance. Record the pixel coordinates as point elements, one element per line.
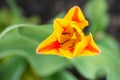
<point>29,74</point>
<point>15,10</point>
<point>62,75</point>
<point>5,18</point>
<point>12,68</point>
<point>110,43</point>
<point>96,12</point>
<point>106,64</point>
<point>22,40</point>
<point>38,33</point>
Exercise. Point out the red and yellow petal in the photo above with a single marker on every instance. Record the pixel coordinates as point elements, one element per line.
<point>81,45</point>
<point>91,48</point>
<point>68,39</point>
<point>75,14</point>
<point>59,26</point>
<point>49,46</point>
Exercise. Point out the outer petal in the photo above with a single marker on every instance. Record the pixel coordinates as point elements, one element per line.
<point>75,14</point>
<point>48,46</point>
<point>88,47</point>
<point>91,48</point>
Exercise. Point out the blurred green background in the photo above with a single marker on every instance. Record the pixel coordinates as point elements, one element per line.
<point>23,23</point>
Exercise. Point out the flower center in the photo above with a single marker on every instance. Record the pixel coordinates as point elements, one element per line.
<point>69,38</point>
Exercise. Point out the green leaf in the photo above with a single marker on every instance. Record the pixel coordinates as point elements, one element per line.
<point>62,75</point>
<point>96,11</point>
<point>5,18</point>
<point>22,40</point>
<point>15,10</point>
<point>38,33</point>
<point>104,65</point>
<point>12,68</point>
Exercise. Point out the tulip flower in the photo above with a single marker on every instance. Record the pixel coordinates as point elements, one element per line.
<point>68,39</point>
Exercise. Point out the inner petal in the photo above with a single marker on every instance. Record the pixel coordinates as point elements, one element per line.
<point>69,38</point>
